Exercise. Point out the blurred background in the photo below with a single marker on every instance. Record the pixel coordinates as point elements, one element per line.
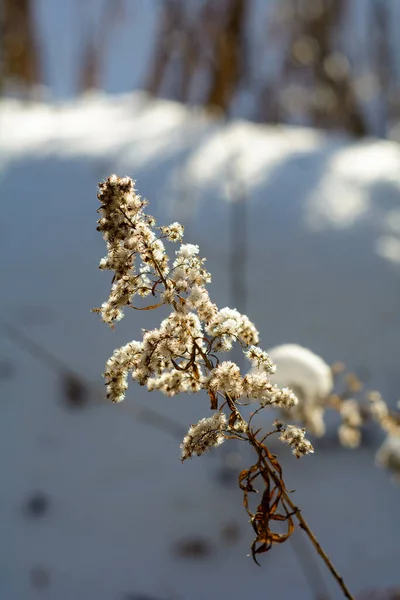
<point>331,64</point>
<point>270,129</point>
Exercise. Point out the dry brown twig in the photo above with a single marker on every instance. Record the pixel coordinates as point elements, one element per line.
<point>182,356</point>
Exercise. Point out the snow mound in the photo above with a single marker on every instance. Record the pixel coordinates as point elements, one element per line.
<point>300,368</point>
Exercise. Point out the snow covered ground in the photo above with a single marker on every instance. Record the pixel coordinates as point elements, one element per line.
<point>321,240</point>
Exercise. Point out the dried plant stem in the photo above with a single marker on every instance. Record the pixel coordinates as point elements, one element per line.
<point>309,567</point>
<point>305,527</point>
<point>270,469</point>
<point>303,524</point>
<point>180,356</point>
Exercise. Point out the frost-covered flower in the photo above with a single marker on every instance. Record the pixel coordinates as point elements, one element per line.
<point>203,436</point>
<point>349,436</point>
<point>377,406</point>
<point>199,300</point>
<point>175,382</point>
<point>295,438</point>
<point>168,295</point>
<point>388,455</point>
<point>188,268</point>
<point>173,232</point>
<point>128,234</point>
<point>257,386</point>
<point>284,398</point>
<point>349,431</point>
<point>117,368</point>
<point>229,324</point>
<point>226,378</point>
<point>350,413</point>
<point>187,251</point>
<point>260,359</point>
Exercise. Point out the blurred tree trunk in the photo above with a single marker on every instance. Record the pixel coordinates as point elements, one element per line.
<point>228,57</point>
<point>334,105</point>
<point>96,44</point>
<point>209,43</point>
<point>389,109</point>
<point>19,57</point>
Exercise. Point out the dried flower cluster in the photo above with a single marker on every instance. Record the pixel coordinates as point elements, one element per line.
<point>314,382</point>
<point>181,355</point>
<point>295,438</point>
<point>349,430</point>
<point>204,435</point>
<point>388,455</point>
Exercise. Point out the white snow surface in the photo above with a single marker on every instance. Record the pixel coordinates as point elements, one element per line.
<point>322,270</point>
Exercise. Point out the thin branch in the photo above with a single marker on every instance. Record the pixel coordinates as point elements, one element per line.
<point>310,569</point>
<point>304,525</point>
